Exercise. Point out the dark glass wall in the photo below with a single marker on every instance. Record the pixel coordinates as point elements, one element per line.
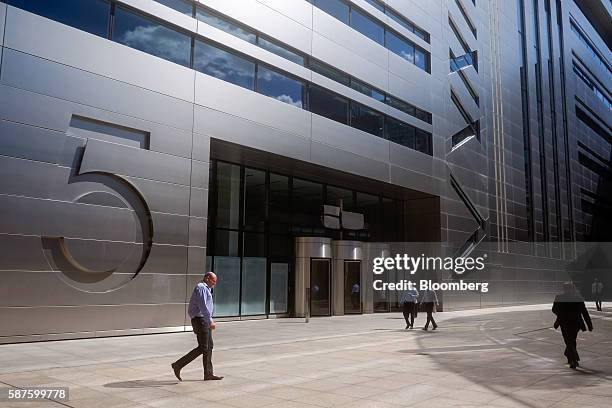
<point>254,217</point>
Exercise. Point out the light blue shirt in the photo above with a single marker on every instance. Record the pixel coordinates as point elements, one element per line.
<point>429,296</point>
<point>409,296</point>
<point>201,303</point>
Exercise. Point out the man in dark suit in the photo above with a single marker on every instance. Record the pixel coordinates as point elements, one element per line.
<point>571,315</point>
<point>200,311</point>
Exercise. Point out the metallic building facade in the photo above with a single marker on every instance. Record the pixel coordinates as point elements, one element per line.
<point>105,149</point>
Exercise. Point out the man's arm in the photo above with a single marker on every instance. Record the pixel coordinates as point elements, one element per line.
<point>586,316</point>
<point>207,307</point>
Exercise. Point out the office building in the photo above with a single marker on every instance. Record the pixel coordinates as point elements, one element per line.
<point>283,144</point>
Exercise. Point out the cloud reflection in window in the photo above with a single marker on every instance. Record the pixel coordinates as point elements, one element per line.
<point>280,87</point>
<point>221,64</point>
<point>147,36</point>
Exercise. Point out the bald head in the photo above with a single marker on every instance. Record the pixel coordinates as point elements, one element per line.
<point>210,279</point>
<point>568,287</point>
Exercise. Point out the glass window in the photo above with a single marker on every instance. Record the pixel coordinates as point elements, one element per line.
<point>400,133</point>
<point>280,87</point>
<point>225,25</point>
<point>336,195</point>
<point>254,244</point>
<point>254,200</point>
<point>226,242</point>
<point>307,207</point>
<point>377,4</point>
<point>149,36</point>
<point>221,64</point>
<point>421,59</point>
<point>279,287</point>
<point>400,20</point>
<point>279,204</point>
<point>369,206</point>
<point>280,50</point>
<point>227,291</point>
<point>367,90</point>
<point>367,26</point>
<point>280,246</point>
<point>327,104</point>
<point>228,195</point>
<point>182,6</point>
<point>391,219</point>
<point>329,72</point>
<point>422,34</point>
<point>423,141</point>
<point>87,15</point>
<point>378,95</point>
<point>366,119</point>
<point>424,116</point>
<point>335,8</point>
<point>253,299</point>
<point>401,105</point>
<point>400,46</point>
<point>456,63</point>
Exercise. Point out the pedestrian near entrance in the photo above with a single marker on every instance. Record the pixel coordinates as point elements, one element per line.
<point>355,296</point>
<point>429,301</point>
<point>200,311</point>
<point>571,315</point>
<point>409,299</point>
<point>597,291</point>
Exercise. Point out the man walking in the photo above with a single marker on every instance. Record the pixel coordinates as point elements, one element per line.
<point>571,315</point>
<point>429,301</point>
<point>200,311</point>
<point>597,291</point>
<point>409,301</point>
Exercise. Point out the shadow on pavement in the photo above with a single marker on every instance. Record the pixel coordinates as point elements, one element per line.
<point>139,384</point>
<point>522,356</point>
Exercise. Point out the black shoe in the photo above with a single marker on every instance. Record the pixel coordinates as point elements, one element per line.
<point>407,327</point>
<point>425,328</point>
<point>435,327</point>
<point>177,371</point>
<point>573,365</point>
<point>212,377</point>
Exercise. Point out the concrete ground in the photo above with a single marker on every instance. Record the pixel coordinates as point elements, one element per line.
<point>503,357</point>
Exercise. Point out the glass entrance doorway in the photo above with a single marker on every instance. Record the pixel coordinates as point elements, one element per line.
<point>320,282</point>
<point>352,287</point>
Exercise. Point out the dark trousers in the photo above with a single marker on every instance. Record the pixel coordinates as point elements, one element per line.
<point>409,312</point>
<point>429,309</point>
<point>570,333</point>
<point>204,348</point>
<point>355,301</point>
<point>598,302</point>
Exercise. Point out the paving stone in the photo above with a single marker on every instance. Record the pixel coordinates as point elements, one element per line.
<point>498,358</point>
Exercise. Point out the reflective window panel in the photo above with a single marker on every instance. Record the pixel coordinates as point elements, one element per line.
<point>280,87</point>
<point>149,36</point>
<point>327,104</point>
<point>225,25</point>
<point>87,15</point>
<point>224,65</point>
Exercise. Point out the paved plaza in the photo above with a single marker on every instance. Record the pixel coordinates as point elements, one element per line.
<point>503,357</point>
